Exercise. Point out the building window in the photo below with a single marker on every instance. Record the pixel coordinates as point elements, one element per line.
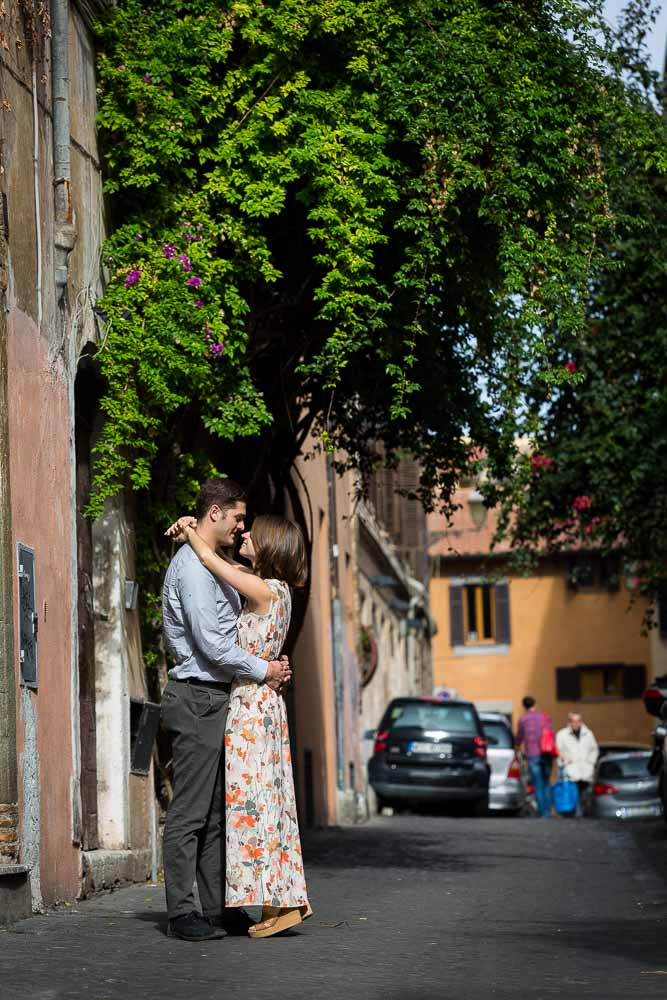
<point>593,572</point>
<point>600,681</point>
<point>479,614</point>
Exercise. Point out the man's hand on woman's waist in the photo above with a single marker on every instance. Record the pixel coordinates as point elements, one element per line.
<point>278,673</point>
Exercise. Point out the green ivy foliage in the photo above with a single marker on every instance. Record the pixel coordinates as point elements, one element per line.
<point>597,479</point>
<point>594,477</point>
<point>389,205</point>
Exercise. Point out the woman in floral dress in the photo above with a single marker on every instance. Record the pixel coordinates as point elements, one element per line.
<point>264,865</point>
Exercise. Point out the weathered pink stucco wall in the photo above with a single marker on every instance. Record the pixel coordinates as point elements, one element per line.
<point>40,488</point>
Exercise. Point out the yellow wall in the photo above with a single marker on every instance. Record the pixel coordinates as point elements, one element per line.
<point>552,626</point>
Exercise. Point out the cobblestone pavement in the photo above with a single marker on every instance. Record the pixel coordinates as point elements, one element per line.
<point>406,908</point>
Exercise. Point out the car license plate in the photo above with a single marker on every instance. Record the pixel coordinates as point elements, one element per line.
<point>633,812</point>
<point>431,748</point>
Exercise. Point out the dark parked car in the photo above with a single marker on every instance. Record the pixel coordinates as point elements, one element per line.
<point>655,701</point>
<point>655,695</point>
<point>429,750</point>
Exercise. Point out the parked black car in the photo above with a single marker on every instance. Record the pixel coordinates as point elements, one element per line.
<point>430,750</point>
<point>655,695</point>
<point>655,702</point>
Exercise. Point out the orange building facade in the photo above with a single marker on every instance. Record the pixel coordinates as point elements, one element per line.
<point>570,635</point>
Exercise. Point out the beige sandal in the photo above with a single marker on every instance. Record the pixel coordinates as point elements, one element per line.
<point>276,925</point>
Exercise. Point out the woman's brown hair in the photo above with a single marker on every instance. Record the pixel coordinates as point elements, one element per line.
<point>280,551</point>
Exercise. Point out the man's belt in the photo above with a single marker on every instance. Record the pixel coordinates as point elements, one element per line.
<point>216,685</point>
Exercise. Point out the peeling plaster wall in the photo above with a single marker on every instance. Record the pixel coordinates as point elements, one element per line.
<point>30,787</point>
<point>124,800</point>
<point>337,798</point>
<point>41,368</point>
<point>42,362</point>
<point>311,661</point>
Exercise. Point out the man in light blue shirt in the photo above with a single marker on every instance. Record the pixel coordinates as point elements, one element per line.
<point>199,622</point>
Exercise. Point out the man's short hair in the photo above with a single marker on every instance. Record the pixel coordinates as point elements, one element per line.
<point>528,702</point>
<point>222,493</point>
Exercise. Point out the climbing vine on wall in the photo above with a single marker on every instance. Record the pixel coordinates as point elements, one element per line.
<point>350,216</point>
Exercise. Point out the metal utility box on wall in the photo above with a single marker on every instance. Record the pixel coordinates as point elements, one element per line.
<point>144,722</point>
<point>28,617</point>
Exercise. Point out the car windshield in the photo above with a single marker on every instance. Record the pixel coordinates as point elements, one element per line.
<point>500,733</point>
<point>624,767</point>
<point>432,716</point>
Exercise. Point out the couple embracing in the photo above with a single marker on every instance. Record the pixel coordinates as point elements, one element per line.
<point>232,822</point>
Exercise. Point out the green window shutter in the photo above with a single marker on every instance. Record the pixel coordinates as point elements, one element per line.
<point>568,683</point>
<point>503,632</point>
<point>456,614</point>
<point>634,681</point>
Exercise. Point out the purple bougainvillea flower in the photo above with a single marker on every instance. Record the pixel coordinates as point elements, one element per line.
<point>216,349</point>
<point>148,78</point>
<point>168,250</point>
<point>138,236</point>
<point>194,281</point>
<point>120,68</point>
<point>132,278</point>
<point>184,261</point>
<point>199,304</point>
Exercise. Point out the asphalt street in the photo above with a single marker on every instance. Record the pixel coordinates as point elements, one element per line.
<point>406,908</point>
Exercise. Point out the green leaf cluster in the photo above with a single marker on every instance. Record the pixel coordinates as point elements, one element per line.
<point>399,213</point>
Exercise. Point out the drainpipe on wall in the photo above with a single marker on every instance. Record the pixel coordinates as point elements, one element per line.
<point>336,624</point>
<point>8,770</point>
<point>65,231</point>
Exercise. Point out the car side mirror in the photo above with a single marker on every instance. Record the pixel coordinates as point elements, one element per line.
<point>370,734</point>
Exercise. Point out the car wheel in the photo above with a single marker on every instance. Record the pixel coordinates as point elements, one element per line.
<point>482,807</point>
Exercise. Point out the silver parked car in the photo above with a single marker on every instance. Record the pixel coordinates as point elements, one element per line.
<point>507,789</point>
<point>624,788</point>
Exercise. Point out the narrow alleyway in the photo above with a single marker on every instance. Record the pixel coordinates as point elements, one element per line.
<point>406,908</point>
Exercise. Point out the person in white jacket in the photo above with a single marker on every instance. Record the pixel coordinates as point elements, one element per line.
<point>578,753</point>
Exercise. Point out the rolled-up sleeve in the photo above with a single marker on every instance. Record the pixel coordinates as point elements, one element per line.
<point>216,639</point>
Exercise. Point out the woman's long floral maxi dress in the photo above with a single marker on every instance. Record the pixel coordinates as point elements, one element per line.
<point>264,863</point>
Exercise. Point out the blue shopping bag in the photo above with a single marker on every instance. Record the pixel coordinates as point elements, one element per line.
<point>565,796</point>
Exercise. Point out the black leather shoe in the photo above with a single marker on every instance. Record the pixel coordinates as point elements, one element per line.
<point>236,923</point>
<point>192,927</point>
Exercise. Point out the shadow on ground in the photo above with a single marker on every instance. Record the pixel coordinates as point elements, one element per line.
<point>384,847</point>
<point>641,940</point>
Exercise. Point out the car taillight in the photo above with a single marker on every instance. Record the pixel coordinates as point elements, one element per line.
<point>514,770</point>
<point>600,788</point>
<point>380,745</point>
<point>480,747</point>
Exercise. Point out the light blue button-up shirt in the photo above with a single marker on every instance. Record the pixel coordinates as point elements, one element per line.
<point>199,615</point>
